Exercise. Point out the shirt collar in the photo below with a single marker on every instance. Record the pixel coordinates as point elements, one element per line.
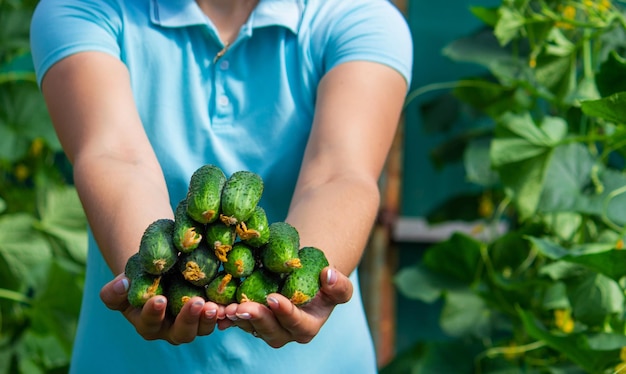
<point>181,13</point>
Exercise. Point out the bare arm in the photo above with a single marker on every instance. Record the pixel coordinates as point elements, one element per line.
<point>118,177</point>
<point>336,198</point>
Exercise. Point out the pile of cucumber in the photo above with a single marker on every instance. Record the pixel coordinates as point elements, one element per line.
<point>221,247</point>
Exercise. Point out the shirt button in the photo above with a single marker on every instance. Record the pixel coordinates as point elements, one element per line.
<point>224,64</point>
<point>223,101</point>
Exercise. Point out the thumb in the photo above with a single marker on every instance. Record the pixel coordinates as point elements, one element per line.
<point>336,287</point>
<point>115,293</point>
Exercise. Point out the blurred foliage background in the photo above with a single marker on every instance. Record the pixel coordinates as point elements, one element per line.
<point>42,226</point>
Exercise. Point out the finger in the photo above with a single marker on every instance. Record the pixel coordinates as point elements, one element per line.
<point>261,322</point>
<point>208,319</point>
<point>298,325</point>
<point>115,293</point>
<point>185,327</point>
<point>336,288</point>
<point>150,320</point>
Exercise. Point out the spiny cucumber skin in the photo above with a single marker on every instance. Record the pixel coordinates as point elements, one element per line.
<point>228,294</point>
<point>306,279</point>
<point>204,260</point>
<point>133,267</point>
<point>204,193</point>
<point>306,283</point>
<point>258,222</point>
<point>177,292</point>
<point>241,194</point>
<point>282,246</point>
<point>312,259</point>
<point>182,224</point>
<point>157,251</point>
<point>258,286</point>
<point>244,253</point>
<point>219,232</point>
<point>142,287</point>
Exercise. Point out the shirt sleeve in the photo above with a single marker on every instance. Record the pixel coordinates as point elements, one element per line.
<point>370,30</point>
<point>60,28</point>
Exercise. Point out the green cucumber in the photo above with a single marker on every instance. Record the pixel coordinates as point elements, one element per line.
<point>178,292</point>
<point>204,193</point>
<point>157,251</point>
<point>280,254</point>
<point>187,231</point>
<point>240,196</point>
<point>255,230</point>
<point>133,266</point>
<point>302,284</point>
<point>222,289</point>
<point>142,287</point>
<point>220,238</point>
<point>258,286</point>
<point>200,266</point>
<point>240,260</point>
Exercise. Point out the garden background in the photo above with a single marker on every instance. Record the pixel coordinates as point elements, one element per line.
<point>499,245</point>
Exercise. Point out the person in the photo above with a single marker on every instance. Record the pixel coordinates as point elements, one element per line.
<point>305,93</point>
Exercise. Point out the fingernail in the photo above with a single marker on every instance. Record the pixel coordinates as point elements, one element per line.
<point>232,317</point>
<point>244,315</point>
<point>272,301</point>
<point>210,314</point>
<point>331,277</point>
<point>159,303</point>
<point>196,306</point>
<point>121,286</point>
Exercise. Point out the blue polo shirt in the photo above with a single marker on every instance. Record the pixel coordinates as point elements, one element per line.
<point>248,108</point>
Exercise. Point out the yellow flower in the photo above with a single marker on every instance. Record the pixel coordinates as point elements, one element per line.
<point>21,172</point>
<point>569,13</point>
<point>563,320</point>
<point>485,206</point>
<point>619,244</point>
<point>622,354</point>
<point>532,62</point>
<point>36,147</point>
<point>511,352</point>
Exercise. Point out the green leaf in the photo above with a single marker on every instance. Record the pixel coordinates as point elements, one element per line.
<point>606,341</point>
<point>594,297</point>
<point>23,249</point>
<point>465,314</point>
<point>574,346</point>
<point>63,218</point>
<point>524,181</point>
<point>510,24</point>
<point>611,78</point>
<point>567,176</point>
<point>487,15</point>
<point>548,248</point>
<point>477,164</point>
<point>54,315</point>
<point>598,257</point>
<point>457,258</point>
<point>611,108</point>
<point>414,283</point>
<point>521,152</point>
<point>483,49</point>
<point>555,297</point>
<point>420,283</point>
<point>557,74</point>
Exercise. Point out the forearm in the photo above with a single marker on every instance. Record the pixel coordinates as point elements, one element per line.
<point>120,200</point>
<point>337,216</point>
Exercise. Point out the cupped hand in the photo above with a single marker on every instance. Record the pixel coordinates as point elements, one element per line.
<point>281,321</point>
<point>197,317</point>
